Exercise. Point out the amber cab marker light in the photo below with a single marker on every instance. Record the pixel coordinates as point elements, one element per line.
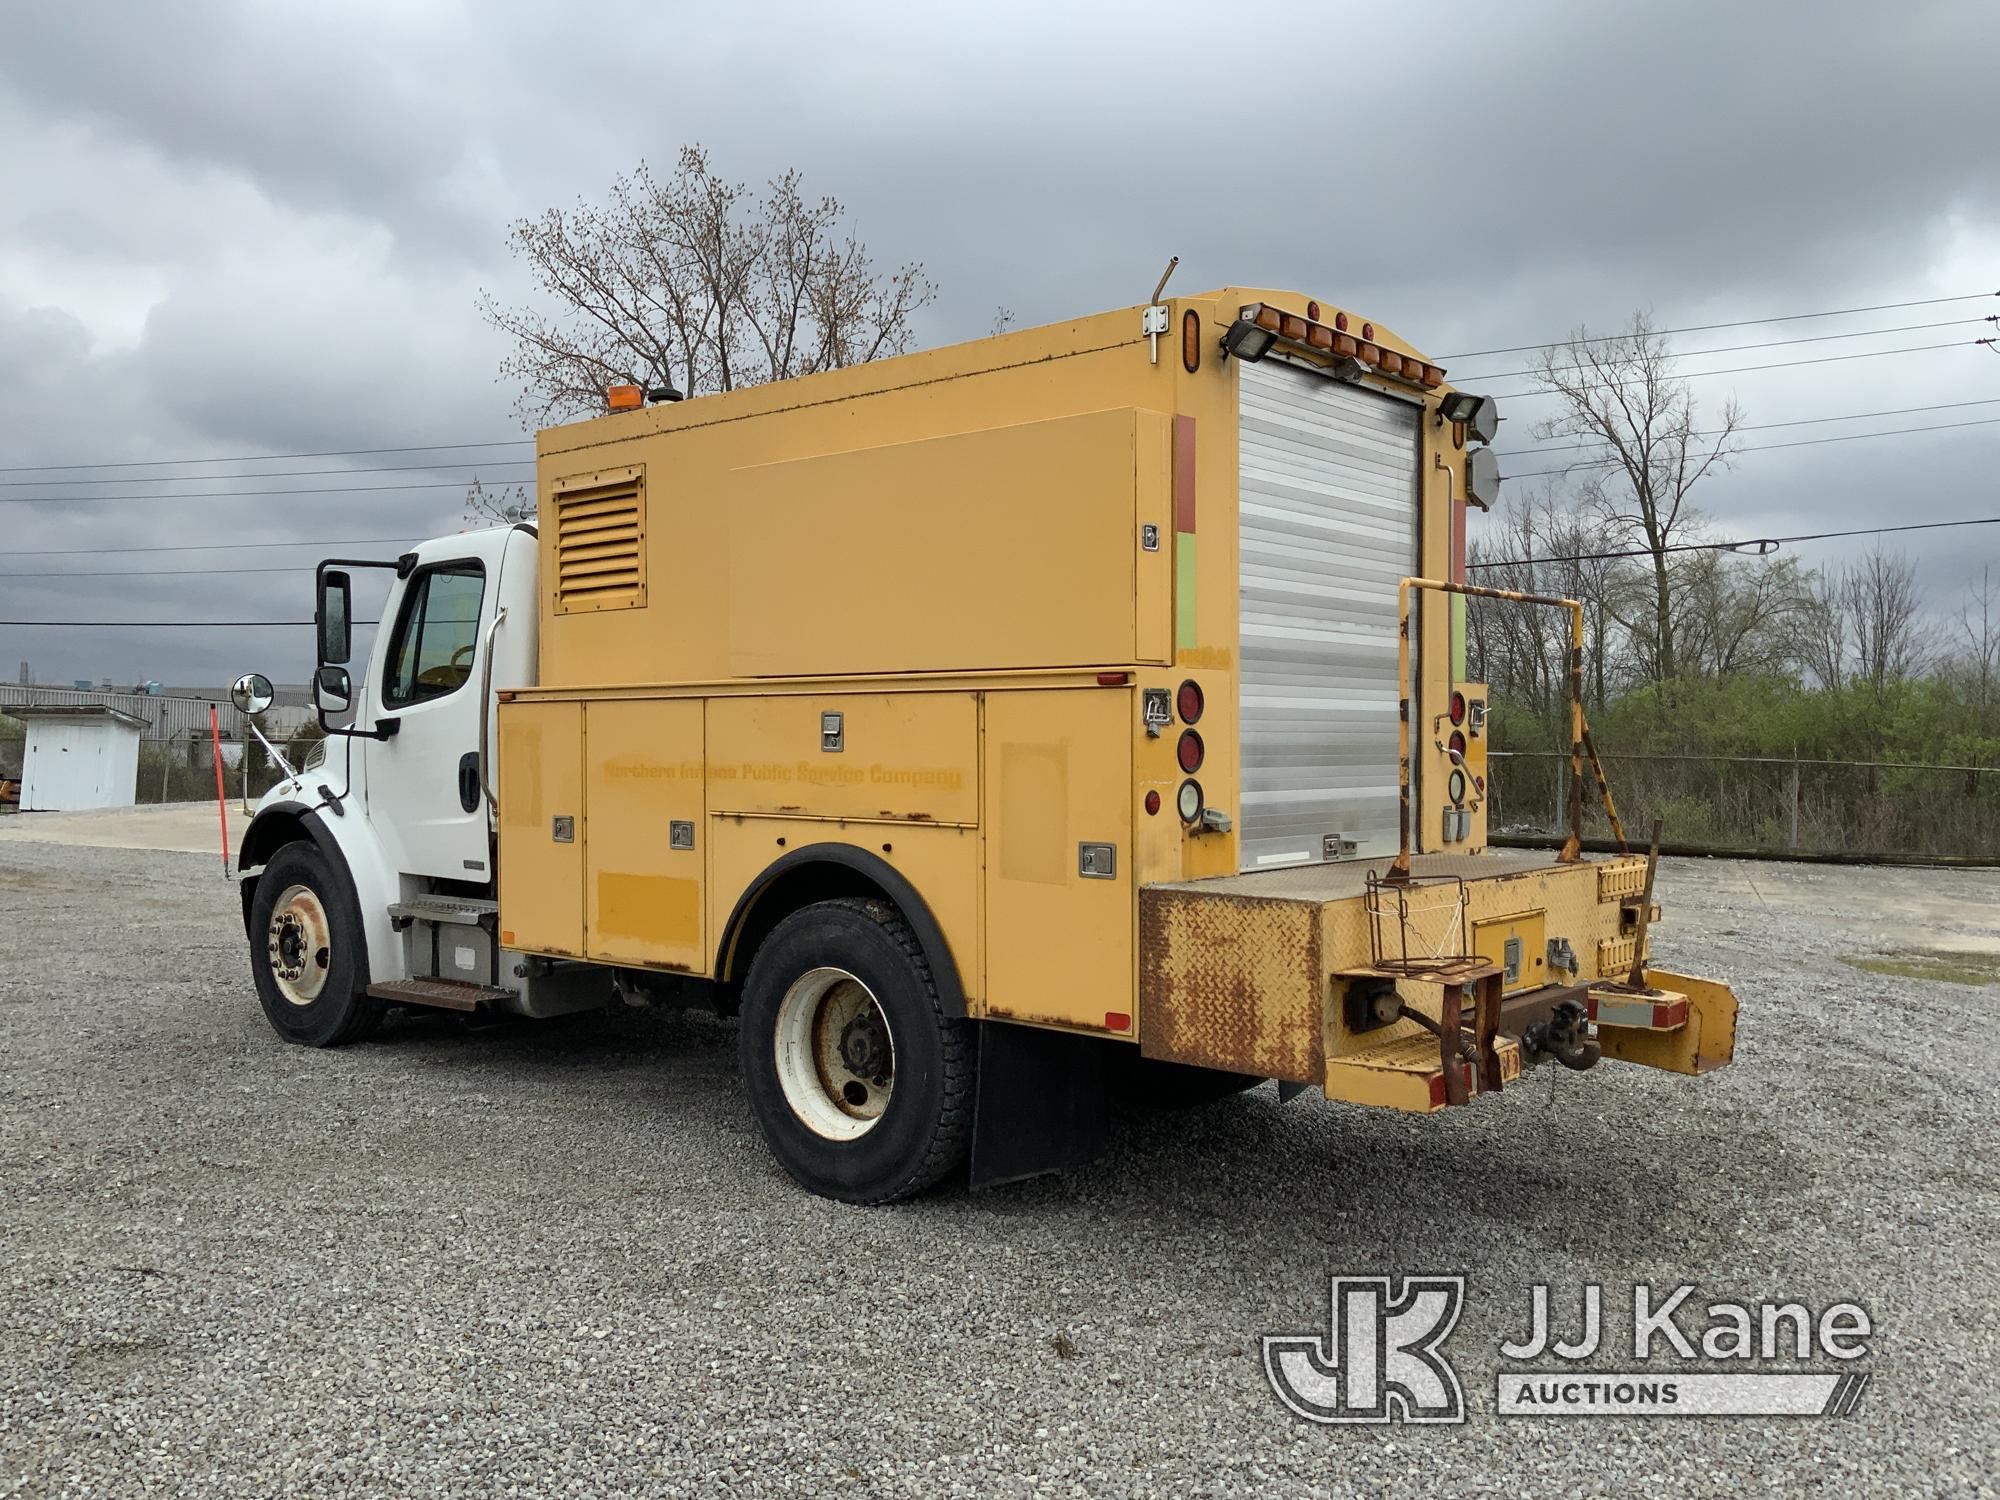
<point>1191,341</point>
<point>625,398</point>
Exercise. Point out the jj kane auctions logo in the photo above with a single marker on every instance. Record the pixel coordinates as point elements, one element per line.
<point>1382,1357</point>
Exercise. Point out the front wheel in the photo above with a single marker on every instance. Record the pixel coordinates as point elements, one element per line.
<point>306,951</point>
<point>861,1084</point>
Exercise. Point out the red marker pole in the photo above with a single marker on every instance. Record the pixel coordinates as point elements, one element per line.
<point>221,797</point>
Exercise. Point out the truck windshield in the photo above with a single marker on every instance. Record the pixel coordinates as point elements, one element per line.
<point>436,634</point>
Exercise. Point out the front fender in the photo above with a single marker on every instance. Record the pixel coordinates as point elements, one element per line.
<point>351,847</point>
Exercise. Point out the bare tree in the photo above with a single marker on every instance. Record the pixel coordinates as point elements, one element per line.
<point>1885,619</point>
<point>699,282</point>
<point>1819,640</point>
<point>1977,629</point>
<point>1642,451</point>
<point>484,507</point>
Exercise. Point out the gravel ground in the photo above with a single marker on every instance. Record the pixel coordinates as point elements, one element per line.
<point>556,1259</point>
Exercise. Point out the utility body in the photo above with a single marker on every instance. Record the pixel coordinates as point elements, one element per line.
<point>997,727</point>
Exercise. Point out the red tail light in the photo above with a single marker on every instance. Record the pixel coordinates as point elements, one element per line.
<point>1190,751</point>
<point>1189,702</point>
<point>1457,743</point>
<point>1458,708</point>
<point>1152,803</point>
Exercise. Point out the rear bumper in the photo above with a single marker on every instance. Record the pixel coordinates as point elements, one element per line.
<point>1305,976</point>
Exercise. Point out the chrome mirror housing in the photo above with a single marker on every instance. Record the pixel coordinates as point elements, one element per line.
<point>252,693</point>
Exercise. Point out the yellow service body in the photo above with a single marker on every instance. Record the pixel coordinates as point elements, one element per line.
<point>979,558</point>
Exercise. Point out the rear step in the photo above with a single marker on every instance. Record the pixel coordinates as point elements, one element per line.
<point>464,911</point>
<point>1406,1073</point>
<point>439,994</point>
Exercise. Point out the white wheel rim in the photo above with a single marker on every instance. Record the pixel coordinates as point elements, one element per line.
<point>299,945</point>
<point>824,1012</point>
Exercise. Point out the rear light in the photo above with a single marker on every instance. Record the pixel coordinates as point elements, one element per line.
<point>1458,708</point>
<point>1437,1091</point>
<point>1119,679</point>
<point>1152,803</point>
<point>624,398</point>
<point>1189,702</point>
<point>1191,341</point>
<point>1189,751</point>
<point>1117,1020</point>
<point>1457,742</point>
<point>1454,787</point>
<point>1188,802</point>
<point>1308,333</point>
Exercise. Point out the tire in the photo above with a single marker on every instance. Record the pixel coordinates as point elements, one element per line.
<point>306,951</point>
<point>1151,1084</point>
<point>836,985</point>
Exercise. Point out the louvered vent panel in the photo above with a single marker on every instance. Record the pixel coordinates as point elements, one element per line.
<point>600,546</point>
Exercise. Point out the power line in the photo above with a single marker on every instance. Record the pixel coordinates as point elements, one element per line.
<point>1839,312</point>
<point>1845,437</point>
<point>1764,544</point>
<point>150,463</point>
<point>338,489</point>
<point>173,624</point>
<point>301,567</point>
<point>339,541</point>
<point>507,463</point>
<point>251,458</point>
<point>1818,338</point>
<point>1789,364</point>
<point>1853,416</point>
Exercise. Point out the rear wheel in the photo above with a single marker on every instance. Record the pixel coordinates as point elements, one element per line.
<point>306,951</point>
<point>860,1083</point>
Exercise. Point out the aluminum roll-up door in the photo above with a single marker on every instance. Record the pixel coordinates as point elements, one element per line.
<point>1329,524</point>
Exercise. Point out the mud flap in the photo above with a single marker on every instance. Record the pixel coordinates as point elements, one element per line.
<point>1705,1043</point>
<point>1041,1102</point>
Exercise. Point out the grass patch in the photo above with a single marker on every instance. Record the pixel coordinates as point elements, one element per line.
<point>1931,963</point>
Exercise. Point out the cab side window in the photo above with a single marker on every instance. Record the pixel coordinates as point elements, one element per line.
<point>437,635</point>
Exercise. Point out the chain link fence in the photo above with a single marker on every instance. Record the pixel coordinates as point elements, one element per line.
<point>1760,804</point>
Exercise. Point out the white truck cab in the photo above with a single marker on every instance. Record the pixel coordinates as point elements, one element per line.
<point>368,874</point>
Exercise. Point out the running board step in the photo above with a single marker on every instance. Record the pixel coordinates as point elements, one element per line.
<point>464,911</point>
<point>1406,1073</point>
<point>440,994</point>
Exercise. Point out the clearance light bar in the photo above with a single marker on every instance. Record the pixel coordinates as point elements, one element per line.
<point>1260,326</point>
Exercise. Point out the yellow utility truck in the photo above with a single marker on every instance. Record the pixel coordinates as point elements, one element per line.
<point>1075,711</point>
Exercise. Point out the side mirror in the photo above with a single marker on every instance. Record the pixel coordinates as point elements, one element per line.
<point>333,618</point>
<point>252,693</point>
<point>333,690</point>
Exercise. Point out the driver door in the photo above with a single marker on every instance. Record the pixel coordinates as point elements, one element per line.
<point>423,783</point>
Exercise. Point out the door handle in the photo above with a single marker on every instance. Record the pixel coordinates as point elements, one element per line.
<point>468,781</point>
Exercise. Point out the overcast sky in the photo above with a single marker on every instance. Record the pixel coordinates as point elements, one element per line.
<point>231,228</point>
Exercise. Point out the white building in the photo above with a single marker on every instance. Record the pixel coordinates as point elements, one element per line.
<point>77,756</point>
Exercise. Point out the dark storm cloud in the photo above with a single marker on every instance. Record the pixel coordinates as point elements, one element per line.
<point>233,228</point>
